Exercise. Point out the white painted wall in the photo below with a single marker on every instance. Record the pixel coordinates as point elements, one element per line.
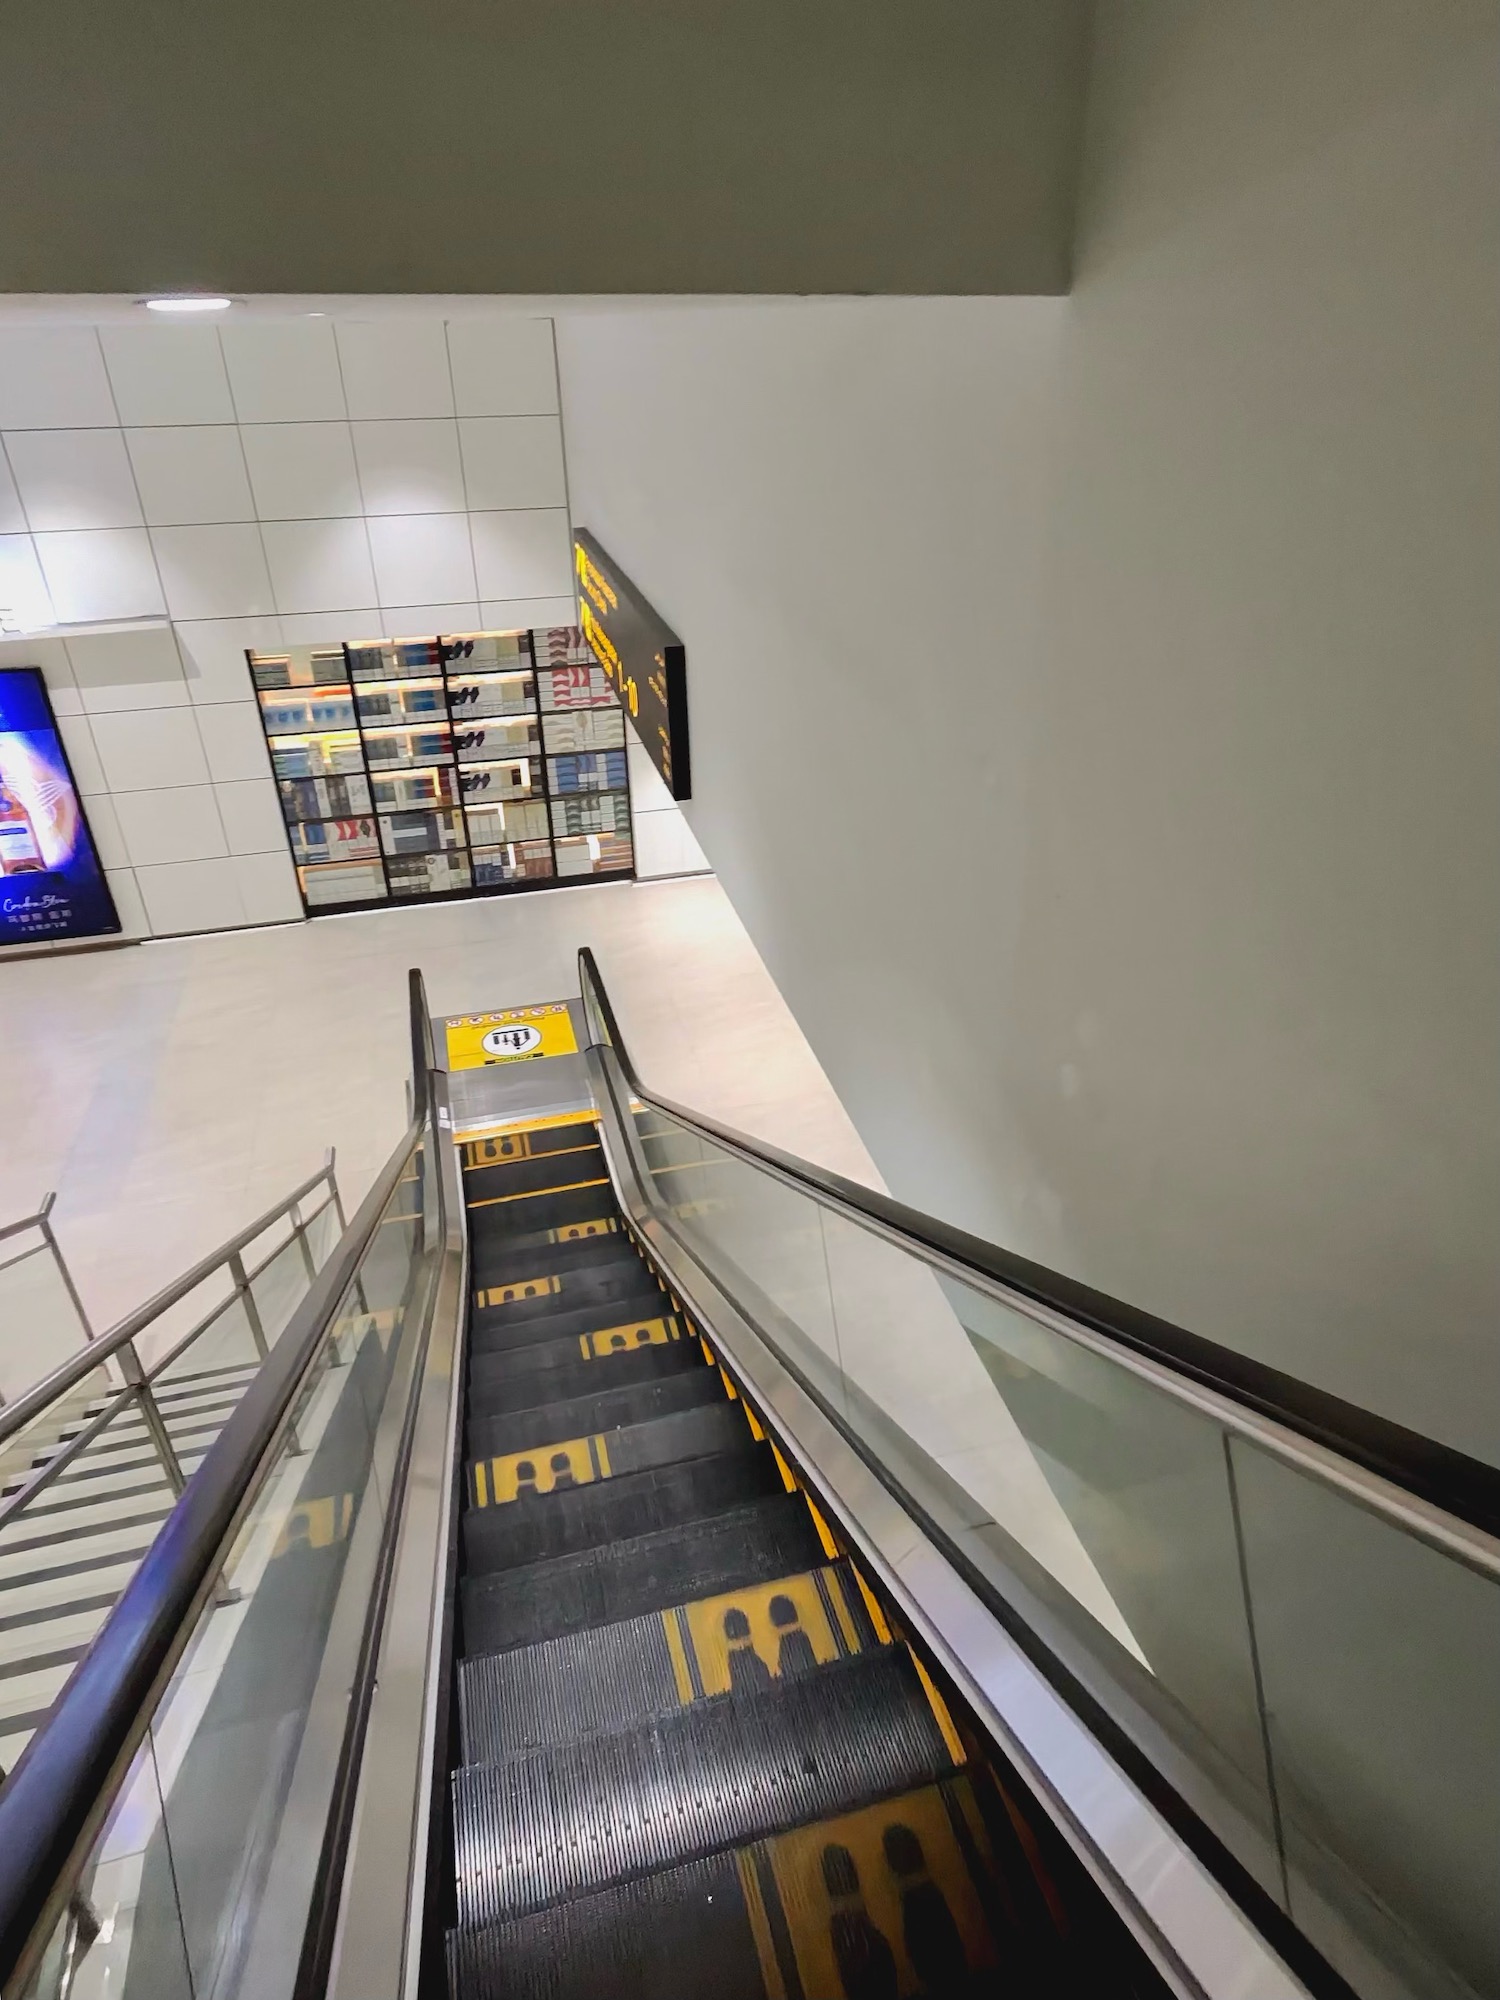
<point>1093,700</point>
<point>262,482</point>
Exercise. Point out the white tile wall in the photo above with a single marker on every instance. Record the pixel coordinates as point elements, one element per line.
<point>664,842</point>
<point>503,367</point>
<point>418,621</point>
<point>178,823</point>
<point>52,379</point>
<point>101,573</point>
<point>12,513</point>
<point>148,749</point>
<point>302,472</point>
<point>23,589</point>
<point>422,558</point>
<point>167,374</point>
<point>256,483</point>
<point>213,654</point>
<point>319,565</point>
<point>513,462</point>
<point>214,572</point>
<point>283,371</point>
<point>411,466</point>
<point>73,479</point>
<point>251,816</point>
<point>268,887</point>
<point>234,744</point>
<point>395,368</point>
<point>190,475</point>
<point>523,554</point>
<point>190,895</point>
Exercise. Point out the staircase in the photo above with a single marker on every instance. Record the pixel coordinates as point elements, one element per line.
<point>64,1562</point>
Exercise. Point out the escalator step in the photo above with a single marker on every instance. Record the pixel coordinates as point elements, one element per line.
<point>542,1291</point>
<point>542,1174</point>
<point>528,1214</point>
<point>520,1481</point>
<point>558,1137</point>
<point>706,1464</point>
<point>567,1368</point>
<point>684,1934</point>
<point>619,1675</point>
<point>736,1768</point>
<point>547,1600</point>
<point>590,1228</point>
<point>499,1331</point>
<point>496,1262</point>
<point>897,1898</point>
<point>608,1410</point>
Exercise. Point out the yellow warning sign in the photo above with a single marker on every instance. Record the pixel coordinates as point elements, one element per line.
<point>511,1034</point>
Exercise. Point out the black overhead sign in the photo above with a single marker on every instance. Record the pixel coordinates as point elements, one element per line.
<point>643,657</point>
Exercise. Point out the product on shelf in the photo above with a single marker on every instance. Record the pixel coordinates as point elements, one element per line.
<point>324,798</point>
<point>592,812</point>
<point>348,882</point>
<point>495,820</point>
<point>584,729</point>
<point>595,854</point>
<point>315,841</point>
<point>589,771</point>
<point>427,874</point>
<point>421,832</point>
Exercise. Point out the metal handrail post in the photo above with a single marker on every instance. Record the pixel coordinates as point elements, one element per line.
<point>166,1451</point>
<point>44,1223</point>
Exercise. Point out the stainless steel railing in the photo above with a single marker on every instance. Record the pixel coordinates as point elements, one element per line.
<point>30,1412</point>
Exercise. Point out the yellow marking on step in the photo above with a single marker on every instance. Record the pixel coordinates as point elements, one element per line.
<point>842,1612</point>
<point>760,1926</point>
<point>575,1232</point>
<point>754,1422</point>
<point>729,1389</point>
<point>482,1484</point>
<point>877,1616</point>
<point>547,1468</point>
<point>787,1478</point>
<point>888,1851</point>
<point>509,1147</point>
<point>708,1353</point>
<point>634,1333</point>
<point>601,1452</point>
<point>747,1638</point>
<point>534,1194</point>
<point>518,1289</point>
<point>680,1673</point>
<point>830,1546</point>
<point>474,1136</point>
<point>939,1708</point>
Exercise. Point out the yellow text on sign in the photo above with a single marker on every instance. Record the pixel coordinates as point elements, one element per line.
<point>512,1034</point>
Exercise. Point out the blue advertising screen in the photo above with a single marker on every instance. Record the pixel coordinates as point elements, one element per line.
<point>51,883</point>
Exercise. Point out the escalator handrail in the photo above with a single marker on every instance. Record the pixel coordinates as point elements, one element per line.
<point>1435,1474</point>
<point>54,1800</point>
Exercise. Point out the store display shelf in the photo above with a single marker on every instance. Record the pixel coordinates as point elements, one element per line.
<point>414,728</point>
<point>431,679</point>
<point>310,735</point>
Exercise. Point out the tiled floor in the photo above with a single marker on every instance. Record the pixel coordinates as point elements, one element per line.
<point>170,1091</point>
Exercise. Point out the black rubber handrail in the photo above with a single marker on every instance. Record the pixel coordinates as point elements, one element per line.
<point>1464,1487</point>
<point>70,1770</point>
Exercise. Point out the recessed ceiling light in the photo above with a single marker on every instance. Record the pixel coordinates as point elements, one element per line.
<point>188,303</point>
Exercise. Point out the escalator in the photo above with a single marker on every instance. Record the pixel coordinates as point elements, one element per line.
<point>694,1757</point>
<point>649,1565</point>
